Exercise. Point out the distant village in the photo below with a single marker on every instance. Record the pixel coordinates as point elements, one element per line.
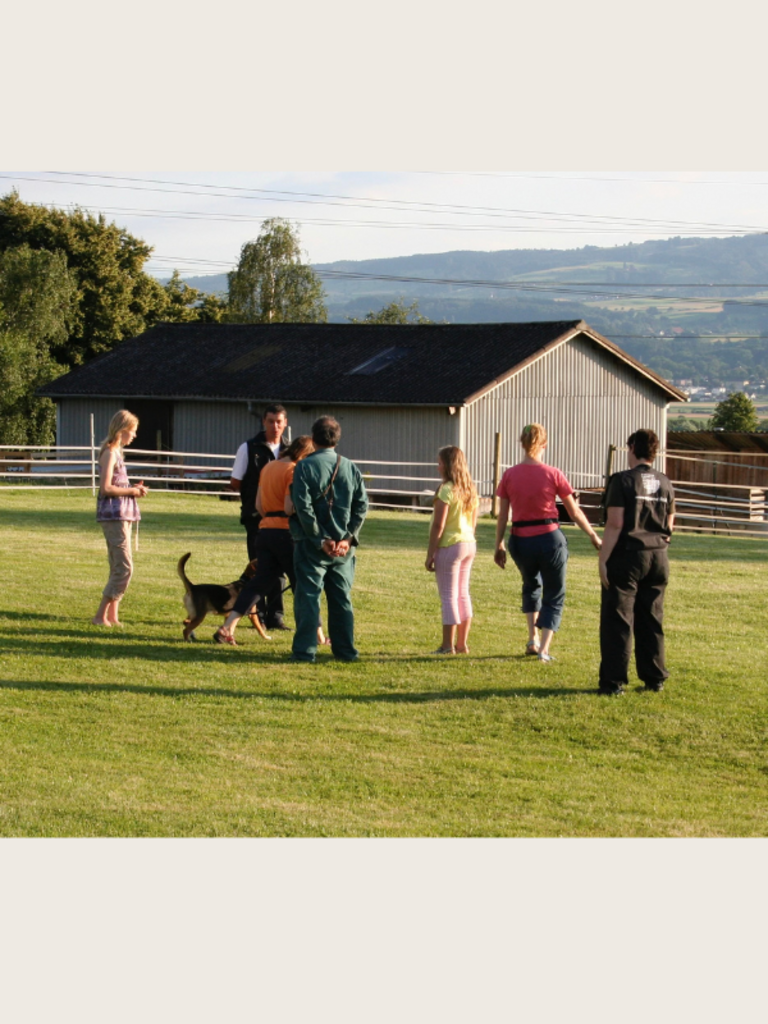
<point>754,389</point>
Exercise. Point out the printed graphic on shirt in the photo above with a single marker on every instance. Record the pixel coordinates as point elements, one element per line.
<point>651,484</point>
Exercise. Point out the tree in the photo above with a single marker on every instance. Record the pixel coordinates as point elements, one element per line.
<point>683,423</point>
<point>37,304</point>
<point>212,309</point>
<point>185,304</point>
<point>736,413</point>
<point>181,301</point>
<point>395,313</point>
<point>115,299</point>
<point>271,284</point>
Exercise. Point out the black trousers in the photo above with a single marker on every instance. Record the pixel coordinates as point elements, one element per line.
<point>633,606</point>
<point>270,602</point>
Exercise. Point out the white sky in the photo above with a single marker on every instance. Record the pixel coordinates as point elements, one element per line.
<point>198,220</point>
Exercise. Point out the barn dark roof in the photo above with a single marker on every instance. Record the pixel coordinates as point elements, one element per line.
<point>368,364</point>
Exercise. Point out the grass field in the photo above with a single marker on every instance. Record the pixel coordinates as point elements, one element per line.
<point>131,732</point>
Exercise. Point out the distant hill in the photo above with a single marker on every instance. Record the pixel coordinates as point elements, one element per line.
<point>648,325</point>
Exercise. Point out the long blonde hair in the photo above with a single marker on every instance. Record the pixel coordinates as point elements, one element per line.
<point>533,438</point>
<point>456,472</point>
<point>122,420</point>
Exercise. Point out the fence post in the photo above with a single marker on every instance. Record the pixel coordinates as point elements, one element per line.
<point>496,477</point>
<point>609,463</point>
<point>93,457</point>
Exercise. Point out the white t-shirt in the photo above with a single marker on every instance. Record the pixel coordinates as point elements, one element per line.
<point>241,462</point>
<point>241,459</point>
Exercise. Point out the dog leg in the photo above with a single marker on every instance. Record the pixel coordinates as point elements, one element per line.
<point>256,623</point>
<point>190,625</point>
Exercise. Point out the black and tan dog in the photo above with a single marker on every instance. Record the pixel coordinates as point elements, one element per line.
<point>201,599</point>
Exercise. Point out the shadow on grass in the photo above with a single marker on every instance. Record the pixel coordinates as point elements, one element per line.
<point>92,642</point>
<point>32,617</point>
<point>421,697</point>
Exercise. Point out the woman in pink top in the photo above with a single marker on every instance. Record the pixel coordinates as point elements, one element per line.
<point>536,543</point>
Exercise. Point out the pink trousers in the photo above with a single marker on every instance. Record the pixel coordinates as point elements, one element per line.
<point>453,566</point>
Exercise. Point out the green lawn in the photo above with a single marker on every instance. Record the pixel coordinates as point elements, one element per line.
<point>133,733</point>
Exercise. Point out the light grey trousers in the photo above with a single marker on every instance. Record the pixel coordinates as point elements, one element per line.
<point>118,537</point>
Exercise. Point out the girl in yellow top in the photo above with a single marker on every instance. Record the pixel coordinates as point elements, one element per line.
<point>452,547</point>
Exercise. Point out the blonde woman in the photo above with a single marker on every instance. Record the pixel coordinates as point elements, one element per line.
<point>452,547</point>
<point>116,510</point>
<point>537,546</point>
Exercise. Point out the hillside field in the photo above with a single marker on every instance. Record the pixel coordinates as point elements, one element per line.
<point>132,732</point>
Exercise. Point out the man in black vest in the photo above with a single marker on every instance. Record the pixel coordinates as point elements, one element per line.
<point>251,458</point>
<point>634,569</point>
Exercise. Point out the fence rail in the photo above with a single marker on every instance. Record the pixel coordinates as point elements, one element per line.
<point>702,506</point>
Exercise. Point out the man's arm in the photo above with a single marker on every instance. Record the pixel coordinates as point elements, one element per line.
<point>358,510</point>
<point>303,508</point>
<point>240,467</point>
<point>614,522</point>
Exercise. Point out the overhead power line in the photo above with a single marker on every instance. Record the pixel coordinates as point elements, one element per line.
<point>632,180</point>
<point>378,224</point>
<point>539,287</point>
<point>517,286</point>
<point>345,201</point>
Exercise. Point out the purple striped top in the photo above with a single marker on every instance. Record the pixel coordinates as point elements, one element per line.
<point>124,509</point>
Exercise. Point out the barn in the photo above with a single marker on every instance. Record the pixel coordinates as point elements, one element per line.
<point>400,392</point>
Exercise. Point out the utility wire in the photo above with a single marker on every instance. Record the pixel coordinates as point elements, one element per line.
<point>580,177</point>
<point>331,199</point>
<point>563,289</point>
<point>380,224</point>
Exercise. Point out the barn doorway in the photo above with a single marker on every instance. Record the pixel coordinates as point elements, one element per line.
<point>155,432</point>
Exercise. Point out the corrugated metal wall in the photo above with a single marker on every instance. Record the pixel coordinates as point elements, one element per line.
<point>216,427</point>
<point>74,420</point>
<point>585,398</point>
<point>387,435</point>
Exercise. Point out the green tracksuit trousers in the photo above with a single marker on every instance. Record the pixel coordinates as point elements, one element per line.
<point>316,572</point>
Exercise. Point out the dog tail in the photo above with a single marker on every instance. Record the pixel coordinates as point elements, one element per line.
<point>180,570</point>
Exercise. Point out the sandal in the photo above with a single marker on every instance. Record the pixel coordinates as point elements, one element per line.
<point>220,637</point>
<point>531,647</point>
<point>444,650</point>
<point>546,657</point>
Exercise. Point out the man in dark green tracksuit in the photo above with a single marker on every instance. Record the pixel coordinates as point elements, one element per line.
<point>330,505</point>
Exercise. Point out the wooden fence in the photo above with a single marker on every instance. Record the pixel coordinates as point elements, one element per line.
<point>707,500</point>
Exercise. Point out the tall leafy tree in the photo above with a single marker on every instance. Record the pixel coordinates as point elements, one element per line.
<point>736,413</point>
<point>272,284</point>
<point>115,298</point>
<point>37,304</point>
<point>395,313</point>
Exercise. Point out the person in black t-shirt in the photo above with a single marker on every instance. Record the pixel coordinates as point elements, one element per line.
<point>634,569</point>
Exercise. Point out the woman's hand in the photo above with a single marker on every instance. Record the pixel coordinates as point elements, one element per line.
<point>604,574</point>
<point>500,556</point>
<point>429,564</point>
<point>141,490</point>
<point>596,542</point>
